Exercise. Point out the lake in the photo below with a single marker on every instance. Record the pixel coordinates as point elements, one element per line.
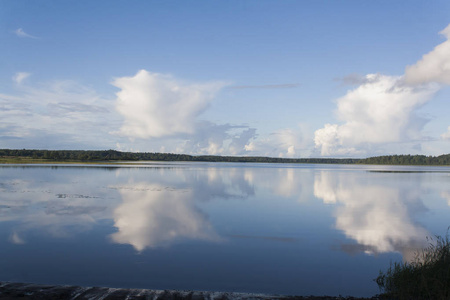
<point>300,229</point>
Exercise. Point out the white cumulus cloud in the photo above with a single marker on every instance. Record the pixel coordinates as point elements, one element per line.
<point>434,66</point>
<point>381,110</point>
<point>157,105</point>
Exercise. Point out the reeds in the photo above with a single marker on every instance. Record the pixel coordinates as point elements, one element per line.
<point>426,277</point>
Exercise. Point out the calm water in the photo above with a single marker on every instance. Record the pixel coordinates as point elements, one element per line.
<point>272,228</point>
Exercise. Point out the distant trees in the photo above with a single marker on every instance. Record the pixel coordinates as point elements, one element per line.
<point>407,160</point>
<point>114,155</point>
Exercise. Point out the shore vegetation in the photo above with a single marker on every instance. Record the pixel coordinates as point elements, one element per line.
<point>426,277</point>
<point>45,156</point>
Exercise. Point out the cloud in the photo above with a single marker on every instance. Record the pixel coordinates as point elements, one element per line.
<point>446,135</point>
<point>225,139</point>
<point>72,107</point>
<point>240,141</point>
<point>290,140</point>
<point>381,110</point>
<point>161,109</point>
<point>208,138</point>
<point>58,114</point>
<point>20,76</point>
<point>328,140</point>
<point>157,105</point>
<point>287,142</point>
<point>22,34</point>
<point>354,79</point>
<point>266,86</point>
<point>434,66</point>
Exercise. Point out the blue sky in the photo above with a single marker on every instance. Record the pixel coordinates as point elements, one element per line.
<point>275,78</point>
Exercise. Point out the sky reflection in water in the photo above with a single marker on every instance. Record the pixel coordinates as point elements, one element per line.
<point>291,229</point>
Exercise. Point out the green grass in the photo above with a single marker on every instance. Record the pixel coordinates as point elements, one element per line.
<point>426,277</point>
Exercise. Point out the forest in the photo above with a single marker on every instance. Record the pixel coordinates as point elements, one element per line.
<point>420,160</point>
<point>114,155</point>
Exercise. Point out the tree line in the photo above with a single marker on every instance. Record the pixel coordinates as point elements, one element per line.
<point>407,160</point>
<point>114,155</point>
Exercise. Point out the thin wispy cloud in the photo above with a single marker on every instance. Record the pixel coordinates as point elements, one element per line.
<point>353,79</point>
<point>217,139</point>
<point>269,238</point>
<point>446,135</point>
<point>287,142</point>
<point>78,107</point>
<point>61,112</point>
<point>20,76</point>
<point>266,86</point>
<point>22,34</point>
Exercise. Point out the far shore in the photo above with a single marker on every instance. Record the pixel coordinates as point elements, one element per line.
<point>99,156</point>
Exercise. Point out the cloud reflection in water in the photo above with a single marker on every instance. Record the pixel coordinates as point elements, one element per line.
<point>378,217</point>
<point>446,195</point>
<point>33,205</point>
<point>152,216</point>
<point>370,208</point>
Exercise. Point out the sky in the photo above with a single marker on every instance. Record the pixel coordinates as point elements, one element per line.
<point>251,78</point>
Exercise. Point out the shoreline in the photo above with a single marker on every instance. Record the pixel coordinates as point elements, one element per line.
<point>11,155</point>
<point>25,291</point>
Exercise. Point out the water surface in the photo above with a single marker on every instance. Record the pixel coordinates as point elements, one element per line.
<point>272,228</point>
